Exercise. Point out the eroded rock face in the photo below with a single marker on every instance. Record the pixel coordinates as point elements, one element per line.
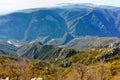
<point>115,51</point>
<point>112,52</point>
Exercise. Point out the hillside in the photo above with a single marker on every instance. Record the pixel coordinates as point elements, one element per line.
<point>92,20</point>
<point>44,52</point>
<point>39,24</point>
<point>6,48</point>
<point>89,42</point>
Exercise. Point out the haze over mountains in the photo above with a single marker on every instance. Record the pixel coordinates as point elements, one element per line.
<point>59,25</point>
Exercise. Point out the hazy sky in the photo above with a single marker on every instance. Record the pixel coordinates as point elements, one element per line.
<point>12,5</point>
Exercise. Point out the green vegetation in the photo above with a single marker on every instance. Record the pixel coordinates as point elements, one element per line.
<point>67,64</point>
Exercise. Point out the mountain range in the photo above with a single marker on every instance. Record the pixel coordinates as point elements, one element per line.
<point>59,25</point>
<point>77,26</point>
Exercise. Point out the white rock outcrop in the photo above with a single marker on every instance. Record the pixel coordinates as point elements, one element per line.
<point>37,79</point>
